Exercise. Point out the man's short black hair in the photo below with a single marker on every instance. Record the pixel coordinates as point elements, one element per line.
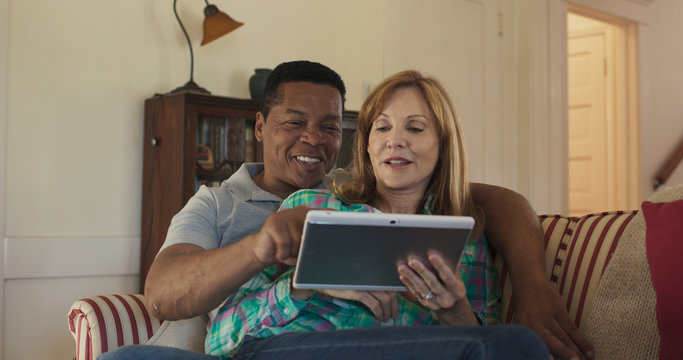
<point>299,71</point>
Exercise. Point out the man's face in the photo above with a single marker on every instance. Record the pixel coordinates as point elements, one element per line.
<point>301,137</point>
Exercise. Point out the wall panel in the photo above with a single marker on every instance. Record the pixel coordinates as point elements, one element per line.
<point>458,42</point>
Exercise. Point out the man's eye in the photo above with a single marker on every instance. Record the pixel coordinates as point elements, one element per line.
<point>332,128</point>
<point>294,123</point>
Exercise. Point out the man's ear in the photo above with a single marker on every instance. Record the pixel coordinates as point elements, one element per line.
<point>258,126</point>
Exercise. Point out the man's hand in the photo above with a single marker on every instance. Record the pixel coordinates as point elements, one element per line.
<point>280,237</point>
<point>543,311</point>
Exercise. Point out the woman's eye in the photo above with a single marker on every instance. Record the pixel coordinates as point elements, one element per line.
<point>415,129</point>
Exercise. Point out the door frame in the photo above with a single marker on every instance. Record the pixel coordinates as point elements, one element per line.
<point>544,168</point>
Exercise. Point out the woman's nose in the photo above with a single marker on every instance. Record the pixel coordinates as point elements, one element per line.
<point>396,139</point>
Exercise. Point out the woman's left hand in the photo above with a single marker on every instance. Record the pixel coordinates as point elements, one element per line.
<point>441,290</point>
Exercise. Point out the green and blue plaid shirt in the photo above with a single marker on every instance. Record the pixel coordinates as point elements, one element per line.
<point>263,306</point>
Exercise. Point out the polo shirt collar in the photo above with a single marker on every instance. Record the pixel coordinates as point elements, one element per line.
<point>243,186</point>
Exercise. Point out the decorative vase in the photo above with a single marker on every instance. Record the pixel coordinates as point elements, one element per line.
<point>257,83</point>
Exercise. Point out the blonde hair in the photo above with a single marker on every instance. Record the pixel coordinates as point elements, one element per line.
<point>450,181</point>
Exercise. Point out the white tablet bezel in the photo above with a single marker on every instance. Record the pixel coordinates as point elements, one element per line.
<point>459,229</point>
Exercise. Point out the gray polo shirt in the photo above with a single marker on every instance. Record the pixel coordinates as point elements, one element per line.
<point>216,217</point>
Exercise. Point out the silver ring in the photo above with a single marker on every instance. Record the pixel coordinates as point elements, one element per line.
<point>429,296</point>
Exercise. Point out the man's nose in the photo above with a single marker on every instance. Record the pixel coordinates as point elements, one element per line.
<point>312,136</point>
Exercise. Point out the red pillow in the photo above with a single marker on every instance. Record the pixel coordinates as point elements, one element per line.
<point>664,244</point>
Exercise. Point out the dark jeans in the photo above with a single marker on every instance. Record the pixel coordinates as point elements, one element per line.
<point>401,342</point>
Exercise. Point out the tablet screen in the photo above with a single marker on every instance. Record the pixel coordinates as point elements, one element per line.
<point>356,252</point>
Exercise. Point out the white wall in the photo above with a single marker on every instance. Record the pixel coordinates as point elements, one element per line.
<point>459,43</point>
<point>662,121</point>
<point>4,72</point>
<point>661,80</point>
<point>75,87</point>
<point>71,111</point>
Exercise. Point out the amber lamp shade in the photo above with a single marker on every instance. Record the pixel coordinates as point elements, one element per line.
<point>216,24</point>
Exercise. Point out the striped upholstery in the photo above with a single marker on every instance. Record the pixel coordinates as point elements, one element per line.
<point>103,323</point>
<point>577,252</point>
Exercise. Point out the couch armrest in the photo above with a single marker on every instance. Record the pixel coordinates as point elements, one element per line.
<point>103,323</point>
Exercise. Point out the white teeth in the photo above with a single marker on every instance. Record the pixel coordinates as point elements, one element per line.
<point>397,162</point>
<point>308,159</point>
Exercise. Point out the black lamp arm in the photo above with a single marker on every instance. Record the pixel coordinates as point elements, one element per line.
<point>189,44</point>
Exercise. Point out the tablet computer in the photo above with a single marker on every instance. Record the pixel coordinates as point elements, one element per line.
<point>360,251</point>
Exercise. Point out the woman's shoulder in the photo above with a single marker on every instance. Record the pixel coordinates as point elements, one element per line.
<point>322,198</point>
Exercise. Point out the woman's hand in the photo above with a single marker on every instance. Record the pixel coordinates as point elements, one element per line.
<point>383,304</point>
<point>441,290</point>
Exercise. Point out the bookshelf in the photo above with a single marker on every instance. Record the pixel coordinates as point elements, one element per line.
<point>192,140</point>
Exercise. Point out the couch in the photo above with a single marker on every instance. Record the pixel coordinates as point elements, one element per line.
<point>619,315</point>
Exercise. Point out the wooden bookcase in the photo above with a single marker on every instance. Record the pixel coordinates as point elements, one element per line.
<point>174,166</point>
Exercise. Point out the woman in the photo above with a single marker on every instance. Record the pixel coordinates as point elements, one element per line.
<point>409,157</point>
<point>413,115</point>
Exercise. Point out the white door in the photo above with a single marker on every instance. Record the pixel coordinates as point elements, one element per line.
<point>588,182</point>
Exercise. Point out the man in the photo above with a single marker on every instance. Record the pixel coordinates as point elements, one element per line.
<point>225,236</point>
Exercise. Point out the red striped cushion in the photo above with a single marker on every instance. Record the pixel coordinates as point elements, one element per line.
<point>103,323</point>
<point>577,252</point>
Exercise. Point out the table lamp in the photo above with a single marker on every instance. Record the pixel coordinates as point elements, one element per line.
<point>216,24</point>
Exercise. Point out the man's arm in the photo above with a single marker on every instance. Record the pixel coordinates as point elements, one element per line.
<point>186,280</point>
<point>512,227</point>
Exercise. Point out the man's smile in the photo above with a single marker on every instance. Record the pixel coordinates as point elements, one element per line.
<point>307,159</point>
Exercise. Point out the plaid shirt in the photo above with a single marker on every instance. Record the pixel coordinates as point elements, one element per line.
<point>263,306</point>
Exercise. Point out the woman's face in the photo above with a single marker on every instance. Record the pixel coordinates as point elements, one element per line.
<point>403,143</point>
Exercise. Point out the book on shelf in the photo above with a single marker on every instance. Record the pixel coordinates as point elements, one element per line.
<point>217,130</point>
<point>231,140</point>
<point>234,151</point>
<point>204,156</point>
<point>249,145</point>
